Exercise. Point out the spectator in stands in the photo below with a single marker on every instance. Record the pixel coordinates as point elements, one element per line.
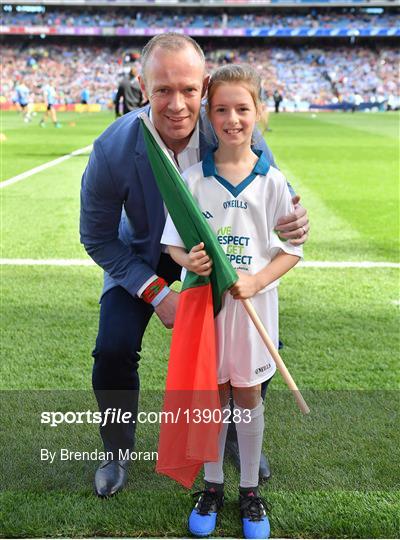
<point>130,92</point>
<point>332,19</point>
<point>367,72</point>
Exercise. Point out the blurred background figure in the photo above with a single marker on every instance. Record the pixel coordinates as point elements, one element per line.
<point>264,119</point>
<point>22,98</point>
<point>129,92</point>
<point>85,96</point>
<point>277,99</point>
<point>49,95</point>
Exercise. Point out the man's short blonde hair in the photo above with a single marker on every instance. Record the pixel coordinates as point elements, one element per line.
<point>171,41</point>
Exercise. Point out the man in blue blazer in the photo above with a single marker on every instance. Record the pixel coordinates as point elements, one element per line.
<point>122,219</point>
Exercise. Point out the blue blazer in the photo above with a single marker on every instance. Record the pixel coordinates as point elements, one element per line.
<point>122,213</point>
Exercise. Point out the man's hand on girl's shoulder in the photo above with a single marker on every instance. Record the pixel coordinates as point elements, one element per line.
<point>295,226</point>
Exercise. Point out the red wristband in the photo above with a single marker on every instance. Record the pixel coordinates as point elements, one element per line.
<point>152,290</point>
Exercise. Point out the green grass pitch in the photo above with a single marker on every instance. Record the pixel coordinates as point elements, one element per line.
<point>336,473</point>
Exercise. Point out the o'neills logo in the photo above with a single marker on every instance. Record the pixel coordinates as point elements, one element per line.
<point>262,369</point>
<point>235,204</point>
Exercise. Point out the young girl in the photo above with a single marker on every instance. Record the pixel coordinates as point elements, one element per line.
<point>242,197</point>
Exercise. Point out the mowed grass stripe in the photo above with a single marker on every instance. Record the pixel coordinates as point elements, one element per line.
<point>298,447</point>
<point>332,325</point>
<point>155,514</point>
<point>333,237</point>
<point>378,124</point>
<point>339,327</point>
<point>28,145</point>
<point>40,168</point>
<point>354,173</point>
<point>40,217</point>
<point>330,233</point>
<point>334,234</point>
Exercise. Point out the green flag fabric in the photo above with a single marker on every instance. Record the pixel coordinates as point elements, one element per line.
<point>188,219</point>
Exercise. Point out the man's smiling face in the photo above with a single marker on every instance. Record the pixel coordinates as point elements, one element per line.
<point>175,83</point>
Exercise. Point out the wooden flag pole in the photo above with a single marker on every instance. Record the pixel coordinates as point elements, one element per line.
<point>276,356</point>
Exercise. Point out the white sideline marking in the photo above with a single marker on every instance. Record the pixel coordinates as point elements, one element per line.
<point>304,264</point>
<point>44,166</point>
<point>348,264</point>
<point>47,262</point>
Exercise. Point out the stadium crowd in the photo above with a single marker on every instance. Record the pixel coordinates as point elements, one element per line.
<point>332,19</point>
<point>303,75</point>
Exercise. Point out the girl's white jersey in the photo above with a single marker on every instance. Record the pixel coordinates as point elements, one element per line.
<point>243,218</point>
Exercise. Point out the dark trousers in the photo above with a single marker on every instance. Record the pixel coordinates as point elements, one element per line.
<point>115,378</point>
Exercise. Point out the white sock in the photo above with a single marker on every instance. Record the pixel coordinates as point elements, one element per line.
<point>213,471</point>
<point>250,437</point>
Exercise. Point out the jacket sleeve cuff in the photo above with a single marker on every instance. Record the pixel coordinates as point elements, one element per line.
<point>145,285</point>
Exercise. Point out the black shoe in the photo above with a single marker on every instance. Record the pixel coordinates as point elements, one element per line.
<point>264,472</point>
<point>232,449</point>
<point>253,512</point>
<point>110,477</point>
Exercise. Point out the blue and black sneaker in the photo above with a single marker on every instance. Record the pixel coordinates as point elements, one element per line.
<point>203,518</point>
<point>253,511</point>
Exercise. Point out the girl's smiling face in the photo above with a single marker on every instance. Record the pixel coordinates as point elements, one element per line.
<point>233,114</point>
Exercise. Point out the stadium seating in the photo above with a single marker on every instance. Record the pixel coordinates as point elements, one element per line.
<point>333,19</point>
<point>304,75</point>
<point>322,56</point>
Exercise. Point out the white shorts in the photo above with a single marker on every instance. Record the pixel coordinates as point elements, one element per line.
<point>243,358</point>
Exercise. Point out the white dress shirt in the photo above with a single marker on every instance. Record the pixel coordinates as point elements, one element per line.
<point>189,156</point>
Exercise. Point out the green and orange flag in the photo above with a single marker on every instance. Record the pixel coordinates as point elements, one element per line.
<point>189,437</point>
